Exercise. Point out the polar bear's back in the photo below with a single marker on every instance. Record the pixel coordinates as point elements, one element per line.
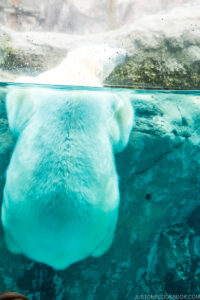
<point>69,197</point>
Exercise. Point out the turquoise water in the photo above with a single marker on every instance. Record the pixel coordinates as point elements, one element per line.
<point>106,87</point>
<point>155,247</point>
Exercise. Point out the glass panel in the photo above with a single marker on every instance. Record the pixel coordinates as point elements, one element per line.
<point>99,149</point>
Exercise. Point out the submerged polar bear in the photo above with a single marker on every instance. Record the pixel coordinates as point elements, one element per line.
<point>61,195</point>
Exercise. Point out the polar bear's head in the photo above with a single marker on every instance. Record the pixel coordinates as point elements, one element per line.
<point>98,60</point>
<point>83,66</point>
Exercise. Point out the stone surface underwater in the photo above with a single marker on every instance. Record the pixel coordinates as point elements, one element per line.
<point>156,247</point>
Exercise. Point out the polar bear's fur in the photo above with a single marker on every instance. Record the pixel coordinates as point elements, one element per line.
<point>61,195</point>
<point>85,66</point>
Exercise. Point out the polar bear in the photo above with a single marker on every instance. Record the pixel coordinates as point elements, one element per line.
<point>61,195</point>
<point>85,66</point>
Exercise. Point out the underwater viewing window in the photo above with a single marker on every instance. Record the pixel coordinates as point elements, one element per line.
<point>99,149</point>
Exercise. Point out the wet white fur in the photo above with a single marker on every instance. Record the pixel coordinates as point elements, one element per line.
<point>61,196</point>
<point>85,66</point>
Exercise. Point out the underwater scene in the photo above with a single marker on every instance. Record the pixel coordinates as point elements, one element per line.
<point>85,216</point>
<point>99,149</point>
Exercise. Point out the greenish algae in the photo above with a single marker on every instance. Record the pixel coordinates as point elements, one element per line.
<point>152,72</point>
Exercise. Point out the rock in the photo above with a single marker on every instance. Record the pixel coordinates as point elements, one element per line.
<point>156,248</point>
<point>75,17</point>
<point>20,56</point>
<point>163,51</point>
